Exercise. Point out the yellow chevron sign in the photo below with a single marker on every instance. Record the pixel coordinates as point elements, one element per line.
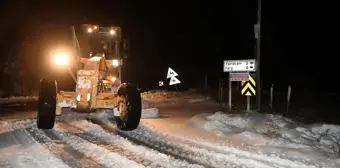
<point>248,87</point>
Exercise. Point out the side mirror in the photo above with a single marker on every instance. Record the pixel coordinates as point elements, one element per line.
<point>126,49</point>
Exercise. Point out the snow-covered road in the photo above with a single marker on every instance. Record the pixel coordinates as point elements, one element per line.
<point>76,144</point>
<point>178,134</point>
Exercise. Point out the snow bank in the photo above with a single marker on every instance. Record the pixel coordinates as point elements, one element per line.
<point>154,98</point>
<point>150,113</point>
<point>146,105</point>
<point>10,126</point>
<point>196,100</point>
<point>268,130</point>
<point>172,97</point>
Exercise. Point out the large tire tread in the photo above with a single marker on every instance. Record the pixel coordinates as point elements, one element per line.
<point>133,106</point>
<point>47,104</point>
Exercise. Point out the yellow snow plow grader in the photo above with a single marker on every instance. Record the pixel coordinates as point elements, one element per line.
<point>98,80</point>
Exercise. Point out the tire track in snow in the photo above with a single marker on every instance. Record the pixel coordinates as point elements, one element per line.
<point>19,149</point>
<point>192,154</point>
<point>156,158</point>
<point>32,151</point>
<point>62,151</point>
<point>106,145</point>
<point>97,153</point>
<point>212,158</point>
<point>178,154</point>
<point>4,162</point>
<point>270,160</point>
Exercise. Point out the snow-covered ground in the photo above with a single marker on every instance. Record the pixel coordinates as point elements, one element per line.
<point>163,97</point>
<point>253,140</point>
<point>158,98</point>
<point>318,144</point>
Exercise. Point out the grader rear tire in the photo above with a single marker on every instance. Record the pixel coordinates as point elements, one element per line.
<point>47,104</point>
<point>133,104</point>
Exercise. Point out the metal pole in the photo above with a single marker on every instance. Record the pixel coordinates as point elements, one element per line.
<point>219,90</point>
<point>118,57</point>
<point>222,85</point>
<point>206,81</point>
<point>271,96</point>
<point>258,53</point>
<point>229,100</point>
<point>248,103</point>
<point>288,99</point>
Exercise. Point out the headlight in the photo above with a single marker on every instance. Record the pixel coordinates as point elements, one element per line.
<point>61,59</point>
<point>89,30</point>
<point>112,32</point>
<point>113,79</point>
<point>115,63</point>
<point>88,97</point>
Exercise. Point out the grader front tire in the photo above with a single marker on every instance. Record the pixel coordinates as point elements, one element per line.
<point>47,104</point>
<point>133,107</point>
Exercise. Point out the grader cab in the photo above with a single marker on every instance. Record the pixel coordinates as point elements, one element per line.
<point>98,80</point>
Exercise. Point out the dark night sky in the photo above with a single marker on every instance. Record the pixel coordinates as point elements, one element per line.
<point>192,37</point>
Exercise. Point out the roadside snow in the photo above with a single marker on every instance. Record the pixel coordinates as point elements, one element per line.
<point>10,126</point>
<point>275,134</point>
<point>150,113</point>
<point>154,98</point>
<point>196,100</point>
<point>145,104</point>
<point>163,97</point>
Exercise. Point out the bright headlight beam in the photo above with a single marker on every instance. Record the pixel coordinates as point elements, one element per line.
<point>115,63</point>
<point>112,32</point>
<point>113,78</point>
<point>61,59</point>
<point>89,30</point>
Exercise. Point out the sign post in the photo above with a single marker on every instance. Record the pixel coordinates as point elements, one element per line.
<point>248,89</point>
<point>248,103</point>
<point>229,99</point>
<point>172,75</point>
<point>239,71</point>
<point>173,80</point>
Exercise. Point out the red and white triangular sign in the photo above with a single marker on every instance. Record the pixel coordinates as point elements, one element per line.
<point>160,83</point>
<point>171,73</point>
<point>174,81</point>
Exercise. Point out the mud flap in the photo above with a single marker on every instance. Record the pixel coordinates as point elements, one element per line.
<point>47,104</point>
<point>133,107</point>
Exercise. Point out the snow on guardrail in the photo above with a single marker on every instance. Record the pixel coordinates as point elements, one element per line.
<point>19,99</point>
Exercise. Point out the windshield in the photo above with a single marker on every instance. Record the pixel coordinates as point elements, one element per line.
<point>101,40</point>
<point>102,43</point>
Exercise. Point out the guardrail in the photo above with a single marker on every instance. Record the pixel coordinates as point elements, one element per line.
<point>18,103</point>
